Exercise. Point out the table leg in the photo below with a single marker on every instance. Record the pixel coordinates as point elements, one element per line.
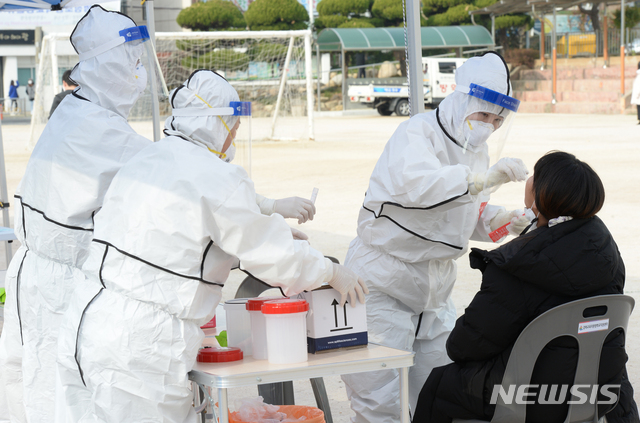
<point>223,405</point>
<point>404,394</point>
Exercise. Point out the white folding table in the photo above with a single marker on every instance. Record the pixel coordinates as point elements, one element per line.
<point>253,372</point>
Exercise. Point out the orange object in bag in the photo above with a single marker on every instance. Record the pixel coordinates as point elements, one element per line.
<point>293,413</point>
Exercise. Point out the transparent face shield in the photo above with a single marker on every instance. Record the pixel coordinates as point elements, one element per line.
<point>147,74</point>
<point>239,148</point>
<point>150,83</point>
<point>488,119</point>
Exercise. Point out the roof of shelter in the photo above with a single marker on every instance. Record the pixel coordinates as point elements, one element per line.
<point>503,7</point>
<point>362,39</point>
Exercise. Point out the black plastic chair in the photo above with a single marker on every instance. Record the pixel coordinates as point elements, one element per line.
<point>563,320</point>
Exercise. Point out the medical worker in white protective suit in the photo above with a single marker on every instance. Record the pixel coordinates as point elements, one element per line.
<point>82,147</point>
<point>176,219</point>
<point>426,198</point>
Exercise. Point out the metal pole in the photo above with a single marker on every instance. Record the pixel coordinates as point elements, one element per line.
<point>309,72</point>
<point>414,53</point>
<point>310,10</point>
<point>5,197</point>
<point>155,103</point>
<point>318,72</point>
<point>622,47</point>
<point>554,52</point>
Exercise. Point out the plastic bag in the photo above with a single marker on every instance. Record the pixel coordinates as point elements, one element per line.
<point>254,410</point>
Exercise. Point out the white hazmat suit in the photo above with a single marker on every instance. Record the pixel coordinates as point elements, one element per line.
<point>83,145</point>
<point>417,218</point>
<point>174,222</point>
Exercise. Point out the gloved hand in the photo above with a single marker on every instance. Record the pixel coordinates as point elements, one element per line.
<point>516,219</point>
<point>506,170</point>
<point>299,235</point>
<point>346,282</point>
<point>295,208</point>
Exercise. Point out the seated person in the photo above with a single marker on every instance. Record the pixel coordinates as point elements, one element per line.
<point>568,254</point>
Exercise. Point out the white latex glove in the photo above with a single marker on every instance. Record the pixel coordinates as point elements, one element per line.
<point>346,282</point>
<point>516,219</point>
<point>506,170</point>
<point>295,208</point>
<point>299,235</point>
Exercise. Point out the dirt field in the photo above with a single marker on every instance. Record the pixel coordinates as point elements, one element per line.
<point>340,162</point>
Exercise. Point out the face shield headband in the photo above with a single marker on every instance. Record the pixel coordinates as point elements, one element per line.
<point>127,35</point>
<point>235,108</point>
<point>490,96</point>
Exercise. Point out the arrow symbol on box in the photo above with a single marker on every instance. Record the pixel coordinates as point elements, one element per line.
<point>335,305</point>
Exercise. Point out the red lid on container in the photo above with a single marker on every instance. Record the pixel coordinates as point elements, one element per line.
<point>211,324</point>
<point>219,354</point>
<point>285,306</point>
<point>255,304</point>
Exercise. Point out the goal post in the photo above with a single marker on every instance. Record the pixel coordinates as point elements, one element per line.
<point>272,69</point>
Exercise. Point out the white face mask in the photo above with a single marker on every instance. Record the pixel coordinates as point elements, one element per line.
<point>140,74</point>
<point>476,133</point>
<point>231,153</point>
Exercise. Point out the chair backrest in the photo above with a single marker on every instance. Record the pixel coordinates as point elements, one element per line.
<point>612,312</point>
<point>251,287</point>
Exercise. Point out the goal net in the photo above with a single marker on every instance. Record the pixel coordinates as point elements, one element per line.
<point>272,69</point>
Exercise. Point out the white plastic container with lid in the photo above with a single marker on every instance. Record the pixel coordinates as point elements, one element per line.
<point>259,326</point>
<point>238,325</point>
<point>286,330</point>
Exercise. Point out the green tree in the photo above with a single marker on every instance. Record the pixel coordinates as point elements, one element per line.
<point>510,29</point>
<point>357,23</point>
<point>344,14</point>
<point>343,7</point>
<point>631,17</point>
<point>266,15</point>
<point>390,11</point>
<point>214,15</point>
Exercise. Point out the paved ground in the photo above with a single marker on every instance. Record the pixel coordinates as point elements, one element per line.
<point>340,162</point>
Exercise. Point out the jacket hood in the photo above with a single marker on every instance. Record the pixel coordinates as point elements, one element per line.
<point>489,71</point>
<point>572,258</point>
<point>107,79</point>
<point>203,90</point>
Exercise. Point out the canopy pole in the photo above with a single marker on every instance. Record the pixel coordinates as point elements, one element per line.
<point>554,53</point>
<point>414,57</point>
<point>622,47</point>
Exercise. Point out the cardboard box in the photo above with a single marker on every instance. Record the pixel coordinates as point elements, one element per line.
<point>330,326</point>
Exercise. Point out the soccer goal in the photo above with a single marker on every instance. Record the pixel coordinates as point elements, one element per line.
<point>272,69</point>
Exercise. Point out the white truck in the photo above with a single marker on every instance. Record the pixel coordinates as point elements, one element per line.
<point>388,95</point>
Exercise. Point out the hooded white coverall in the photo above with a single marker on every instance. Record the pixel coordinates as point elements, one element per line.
<point>416,220</point>
<point>174,221</point>
<point>83,145</point>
